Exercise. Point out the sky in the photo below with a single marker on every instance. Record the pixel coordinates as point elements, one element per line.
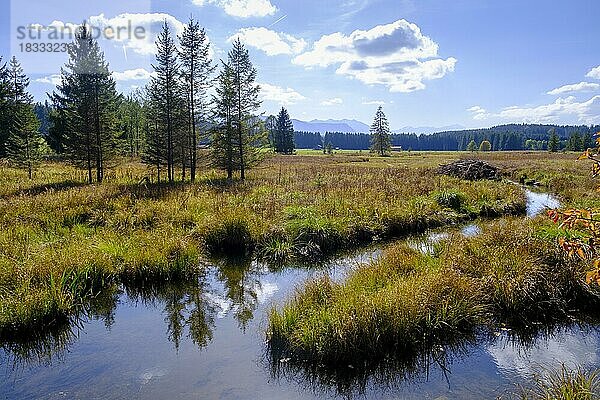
<point>473,63</point>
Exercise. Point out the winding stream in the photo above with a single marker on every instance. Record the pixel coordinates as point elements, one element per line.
<point>207,341</point>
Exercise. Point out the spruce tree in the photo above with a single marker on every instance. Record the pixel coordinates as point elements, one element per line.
<point>380,134</point>
<point>86,104</point>
<point>196,70</point>
<point>4,106</point>
<point>222,141</point>
<point>166,96</point>
<point>24,145</point>
<point>284,133</point>
<point>472,146</point>
<point>246,103</point>
<point>553,142</point>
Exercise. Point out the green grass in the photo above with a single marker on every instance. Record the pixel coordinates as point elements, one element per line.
<point>563,384</point>
<point>62,241</point>
<point>405,301</point>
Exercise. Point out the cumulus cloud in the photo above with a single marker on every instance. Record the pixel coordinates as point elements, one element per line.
<point>396,55</point>
<point>285,96</point>
<point>576,87</point>
<point>332,102</point>
<point>242,8</point>
<point>132,75</point>
<point>150,22</point>
<point>271,42</point>
<point>566,109</point>
<point>594,73</point>
<point>479,112</point>
<point>53,79</point>
<point>133,31</point>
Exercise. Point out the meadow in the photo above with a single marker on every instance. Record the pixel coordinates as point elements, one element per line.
<point>62,241</point>
<point>512,275</point>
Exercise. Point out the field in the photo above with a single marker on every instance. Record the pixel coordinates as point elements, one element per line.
<point>63,241</point>
<point>512,274</point>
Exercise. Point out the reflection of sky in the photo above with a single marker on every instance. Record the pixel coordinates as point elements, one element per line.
<point>572,348</point>
<point>538,202</point>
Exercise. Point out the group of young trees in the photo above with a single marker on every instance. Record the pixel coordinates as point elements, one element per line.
<point>89,123</point>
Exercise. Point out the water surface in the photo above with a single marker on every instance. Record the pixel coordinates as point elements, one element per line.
<point>206,340</point>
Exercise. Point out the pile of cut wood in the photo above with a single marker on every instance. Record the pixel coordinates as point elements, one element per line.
<point>473,170</point>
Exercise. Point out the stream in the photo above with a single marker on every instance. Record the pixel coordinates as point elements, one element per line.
<point>206,341</point>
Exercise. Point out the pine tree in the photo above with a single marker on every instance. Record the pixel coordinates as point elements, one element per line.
<point>197,68</point>
<point>4,106</point>
<point>553,142</point>
<point>222,141</point>
<point>588,141</point>
<point>86,104</point>
<point>246,103</point>
<point>24,145</point>
<point>166,96</point>
<point>284,133</point>
<point>380,134</point>
<point>472,146</point>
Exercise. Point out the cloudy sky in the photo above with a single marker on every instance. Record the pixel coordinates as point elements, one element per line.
<point>429,63</point>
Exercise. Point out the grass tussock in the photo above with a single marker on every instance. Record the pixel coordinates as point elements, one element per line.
<point>510,274</point>
<point>62,241</point>
<point>563,384</point>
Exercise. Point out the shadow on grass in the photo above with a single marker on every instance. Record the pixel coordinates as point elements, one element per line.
<point>41,189</point>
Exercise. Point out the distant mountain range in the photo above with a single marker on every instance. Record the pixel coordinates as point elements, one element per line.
<point>354,126</point>
<point>330,125</point>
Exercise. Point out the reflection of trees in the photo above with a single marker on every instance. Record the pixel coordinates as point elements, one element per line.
<point>241,278</point>
<point>185,307</point>
<point>356,376</point>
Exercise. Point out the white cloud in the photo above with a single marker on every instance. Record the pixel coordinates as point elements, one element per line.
<point>396,55</point>
<point>271,42</point>
<point>150,22</point>
<point>242,8</point>
<point>285,96</point>
<point>594,73</point>
<point>132,75</point>
<point>373,103</point>
<point>479,112</point>
<point>576,87</point>
<point>53,79</point>
<point>563,110</point>
<point>332,102</point>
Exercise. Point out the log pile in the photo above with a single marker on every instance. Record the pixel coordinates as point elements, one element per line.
<point>472,170</point>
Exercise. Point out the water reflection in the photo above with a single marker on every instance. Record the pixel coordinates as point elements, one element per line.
<point>185,308</point>
<point>516,356</point>
<point>45,346</point>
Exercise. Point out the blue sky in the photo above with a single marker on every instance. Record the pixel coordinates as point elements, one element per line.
<point>429,63</point>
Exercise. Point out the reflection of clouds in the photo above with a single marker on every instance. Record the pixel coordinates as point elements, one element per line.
<point>264,291</point>
<point>221,302</point>
<point>260,292</point>
<point>572,348</point>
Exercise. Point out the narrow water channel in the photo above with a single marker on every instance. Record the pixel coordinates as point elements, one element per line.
<point>206,341</point>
